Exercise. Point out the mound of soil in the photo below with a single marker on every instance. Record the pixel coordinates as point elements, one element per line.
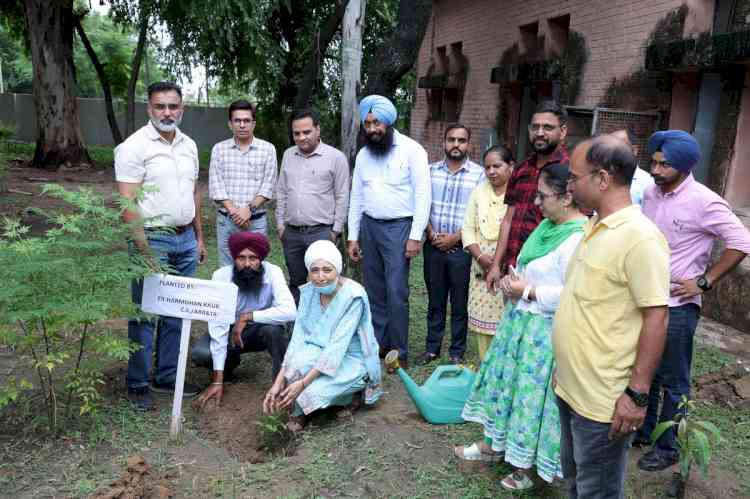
<point>729,387</point>
<point>138,482</point>
<point>235,426</point>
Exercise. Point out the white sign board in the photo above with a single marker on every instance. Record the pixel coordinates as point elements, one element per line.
<point>188,298</point>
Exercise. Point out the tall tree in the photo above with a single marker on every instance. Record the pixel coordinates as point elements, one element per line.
<point>50,27</point>
<point>351,72</point>
<point>398,54</point>
<point>103,80</point>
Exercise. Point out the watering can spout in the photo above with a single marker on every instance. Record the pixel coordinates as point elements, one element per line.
<point>413,389</point>
<point>441,399</point>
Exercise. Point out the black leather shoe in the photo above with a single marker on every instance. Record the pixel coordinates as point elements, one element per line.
<point>655,461</point>
<point>140,399</point>
<point>426,358</point>
<point>189,390</point>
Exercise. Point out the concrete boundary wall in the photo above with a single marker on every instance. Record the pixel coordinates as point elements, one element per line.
<point>205,125</point>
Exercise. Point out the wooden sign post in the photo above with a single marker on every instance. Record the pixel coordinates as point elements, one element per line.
<point>189,299</point>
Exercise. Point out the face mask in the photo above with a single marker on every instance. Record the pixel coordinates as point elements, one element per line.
<point>327,289</point>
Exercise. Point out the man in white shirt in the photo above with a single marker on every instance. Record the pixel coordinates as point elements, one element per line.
<point>388,212</point>
<point>264,306</point>
<point>164,162</point>
<point>642,179</point>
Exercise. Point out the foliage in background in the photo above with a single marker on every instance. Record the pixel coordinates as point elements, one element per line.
<point>58,289</point>
<point>114,45</point>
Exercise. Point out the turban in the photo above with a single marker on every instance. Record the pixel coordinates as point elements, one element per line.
<point>382,108</point>
<point>323,250</point>
<point>680,149</point>
<point>257,243</point>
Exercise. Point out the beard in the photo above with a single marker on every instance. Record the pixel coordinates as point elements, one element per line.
<point>167,124</point>
<point>457,157</point>
<point>249,279</point>
<point>544,148</point>
<point>379,145</point>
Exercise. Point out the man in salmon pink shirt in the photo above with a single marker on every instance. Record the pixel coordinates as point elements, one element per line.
<point>692,217</point>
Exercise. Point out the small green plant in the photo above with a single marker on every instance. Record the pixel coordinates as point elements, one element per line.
<point>57,289</point>
<point>275,435</point>
<point>693,443</point>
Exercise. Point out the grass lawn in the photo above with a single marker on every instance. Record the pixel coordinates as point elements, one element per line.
<point>388,451</point>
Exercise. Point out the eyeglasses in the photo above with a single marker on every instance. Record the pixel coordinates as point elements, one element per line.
<point>572,179</point>
<point>535,127</point>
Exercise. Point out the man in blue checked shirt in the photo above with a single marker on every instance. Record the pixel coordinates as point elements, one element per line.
<point>446,265</point>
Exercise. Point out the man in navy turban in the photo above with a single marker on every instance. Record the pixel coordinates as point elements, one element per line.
<point>388,212</point>
<point>692,217</point>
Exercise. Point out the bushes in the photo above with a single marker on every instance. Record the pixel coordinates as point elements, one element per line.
<point>56,291</point>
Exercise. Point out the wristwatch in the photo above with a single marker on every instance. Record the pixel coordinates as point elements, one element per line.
<point>640,399</point>
<point>703,283</point>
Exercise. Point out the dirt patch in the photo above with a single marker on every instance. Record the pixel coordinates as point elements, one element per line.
<point>729,387</point>
<point>138,482</point>
<point>237,425</point>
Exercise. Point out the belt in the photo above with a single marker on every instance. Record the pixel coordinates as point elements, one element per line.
<point>308,228</point>
<point>178,229</point>
<point>389,220</point>
<point>254,216</point>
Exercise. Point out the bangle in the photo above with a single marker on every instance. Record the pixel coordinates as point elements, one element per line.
<point>526,292</point>
<point>216,383</point>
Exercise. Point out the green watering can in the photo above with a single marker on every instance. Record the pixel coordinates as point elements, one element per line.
<point>442,397</point>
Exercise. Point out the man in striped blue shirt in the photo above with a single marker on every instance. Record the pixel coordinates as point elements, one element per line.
<point>446,265</point>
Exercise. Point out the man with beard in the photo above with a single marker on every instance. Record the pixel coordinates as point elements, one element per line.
<point>241,178</point>
<point>547,132</point>
<point>312,194</point>
<point>388,212</point>
<point>264,306</point>
<point>692,217</point>
<point>446,266</point>
<point>162,161</point>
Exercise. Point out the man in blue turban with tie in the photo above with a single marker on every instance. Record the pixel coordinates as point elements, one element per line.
<point>388,212</point>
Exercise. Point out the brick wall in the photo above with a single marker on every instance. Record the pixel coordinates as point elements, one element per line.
<point>615,34</point>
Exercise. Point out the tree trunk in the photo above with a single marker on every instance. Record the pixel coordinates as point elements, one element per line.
<point>351,76</point>
<point>104,80</point>
<point>310,73</point>
<point>398,54</point>
<point>135,69</point>
<point>50,25</point>
<point>351,72</point>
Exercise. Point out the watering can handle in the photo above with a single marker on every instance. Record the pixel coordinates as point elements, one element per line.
<point>452,370</point>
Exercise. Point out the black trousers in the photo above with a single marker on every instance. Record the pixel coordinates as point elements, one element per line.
<point>295,243</point>
<point>255,337</point>
<point>446,275</point>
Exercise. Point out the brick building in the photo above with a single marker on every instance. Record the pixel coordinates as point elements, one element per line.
<point>648,64</point>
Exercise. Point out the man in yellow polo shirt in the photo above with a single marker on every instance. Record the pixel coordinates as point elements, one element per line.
<point>610,327</point>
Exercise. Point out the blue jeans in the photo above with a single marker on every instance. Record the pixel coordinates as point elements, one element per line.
<point>385,270</point>
<point>593,465</point>
<point>180,252</point>
<point>672,377</point>
<point>225,228</point>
